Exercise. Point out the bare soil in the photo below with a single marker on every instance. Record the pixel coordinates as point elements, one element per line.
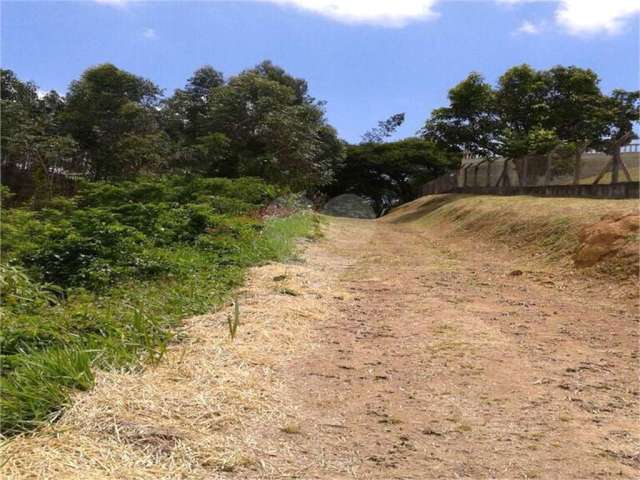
<point>393,351</point>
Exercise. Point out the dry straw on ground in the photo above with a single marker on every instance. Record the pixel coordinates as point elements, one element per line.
<point>202,411</point>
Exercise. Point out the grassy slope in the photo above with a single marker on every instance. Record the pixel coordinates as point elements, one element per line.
<point>548,228</point>
<point>633,171</point>
<point>125,329</point>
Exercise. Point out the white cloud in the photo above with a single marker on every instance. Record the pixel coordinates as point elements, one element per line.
<point>391,13</point>
<point>529,28</point>
<point>114,3</point>
<point>574,16</point>
<point>593,16</point>
<point>149,33</point>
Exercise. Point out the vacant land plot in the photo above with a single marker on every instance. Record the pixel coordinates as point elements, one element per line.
<point>399,348</point>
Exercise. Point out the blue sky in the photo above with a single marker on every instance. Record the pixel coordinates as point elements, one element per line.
<point>367,59</point>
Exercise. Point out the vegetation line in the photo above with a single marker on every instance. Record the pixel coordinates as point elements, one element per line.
<point>127,268</point>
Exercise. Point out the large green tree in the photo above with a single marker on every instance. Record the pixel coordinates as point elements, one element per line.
<point>113,115</point>
<point>470,122</point>
<point>533,113</point>
<point>275,129</point>
<point>575,106</point>
<point>197,148</point>
<point>622,113</point>
<point>185,112</point>
<point>34,152</point>
<point>391,172</point>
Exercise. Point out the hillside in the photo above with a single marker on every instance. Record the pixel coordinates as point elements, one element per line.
<point>599,238</point>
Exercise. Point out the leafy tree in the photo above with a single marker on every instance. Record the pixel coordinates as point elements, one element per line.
<point>185,113</point>
<point>470,122</point>
<point>33,150</point>
<point>268,70</point>
<point>576,108</point>
<point>521,108</point>
<point>19,108</point>
<point>204,80</point>
<point>18,92</point>
<point>385,129</point>
<point>623,111</point>
<point>390,172</point>
<point>112,114</point>
<point>276,131</point>
<point>532,113</point>
<point>197,149</point>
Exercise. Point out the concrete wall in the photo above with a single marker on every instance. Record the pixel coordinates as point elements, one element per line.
<point>609,190</point>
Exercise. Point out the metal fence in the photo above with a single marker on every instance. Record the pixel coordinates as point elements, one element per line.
<point>499,175</point>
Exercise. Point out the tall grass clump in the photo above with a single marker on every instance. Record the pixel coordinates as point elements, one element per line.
<point>280,235</point>
<point>102,280</point>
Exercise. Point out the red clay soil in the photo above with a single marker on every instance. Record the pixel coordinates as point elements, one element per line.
<point>607,237</point>
<point>442,364</point>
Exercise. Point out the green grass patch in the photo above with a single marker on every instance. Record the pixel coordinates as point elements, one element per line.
<point>77,296</point>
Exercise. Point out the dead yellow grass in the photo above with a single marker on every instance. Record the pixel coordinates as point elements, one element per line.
<point>547,229</point>
<point>198,414</point>
<point>633,171</point>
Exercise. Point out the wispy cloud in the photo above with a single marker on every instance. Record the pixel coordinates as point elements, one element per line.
<point>113,3</point>
<point>389,13</point>
<point>528,28</point>
<point>573,16</point>
<point>581,17</point>
<point>149,33</point>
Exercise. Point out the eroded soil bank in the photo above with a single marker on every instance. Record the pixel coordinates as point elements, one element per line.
<point>391,351</point>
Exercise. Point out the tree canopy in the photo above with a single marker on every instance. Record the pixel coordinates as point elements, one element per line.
<point>388,173</point>
<point>113,124</point>
<point>385,129</point>
<point>531,111</point>
<point>113,115</point>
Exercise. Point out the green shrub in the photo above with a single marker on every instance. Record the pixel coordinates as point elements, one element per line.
<point>103,279</point>
<point>91,249</point>
<point>18,293</point>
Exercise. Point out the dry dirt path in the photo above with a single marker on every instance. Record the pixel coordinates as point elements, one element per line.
<point>442,363</point>
<point>386,354</point>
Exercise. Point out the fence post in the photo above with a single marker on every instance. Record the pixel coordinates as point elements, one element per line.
<point>547,173</point>
<point>475,175</point>
<point>577,164</point>
<point>615,165</point>
<point>489,164</point>
<point>525,167</point>
<point>464,183</point>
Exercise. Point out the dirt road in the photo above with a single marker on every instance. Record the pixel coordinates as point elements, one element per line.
<point>444,363</point>
<point>387,353</point>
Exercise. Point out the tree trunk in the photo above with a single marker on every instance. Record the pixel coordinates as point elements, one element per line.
<point>577,166</point>
<point>524,181</point>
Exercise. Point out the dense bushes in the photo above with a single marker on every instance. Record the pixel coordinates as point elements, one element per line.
<point>107,232</point>
<point>102,278</point>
